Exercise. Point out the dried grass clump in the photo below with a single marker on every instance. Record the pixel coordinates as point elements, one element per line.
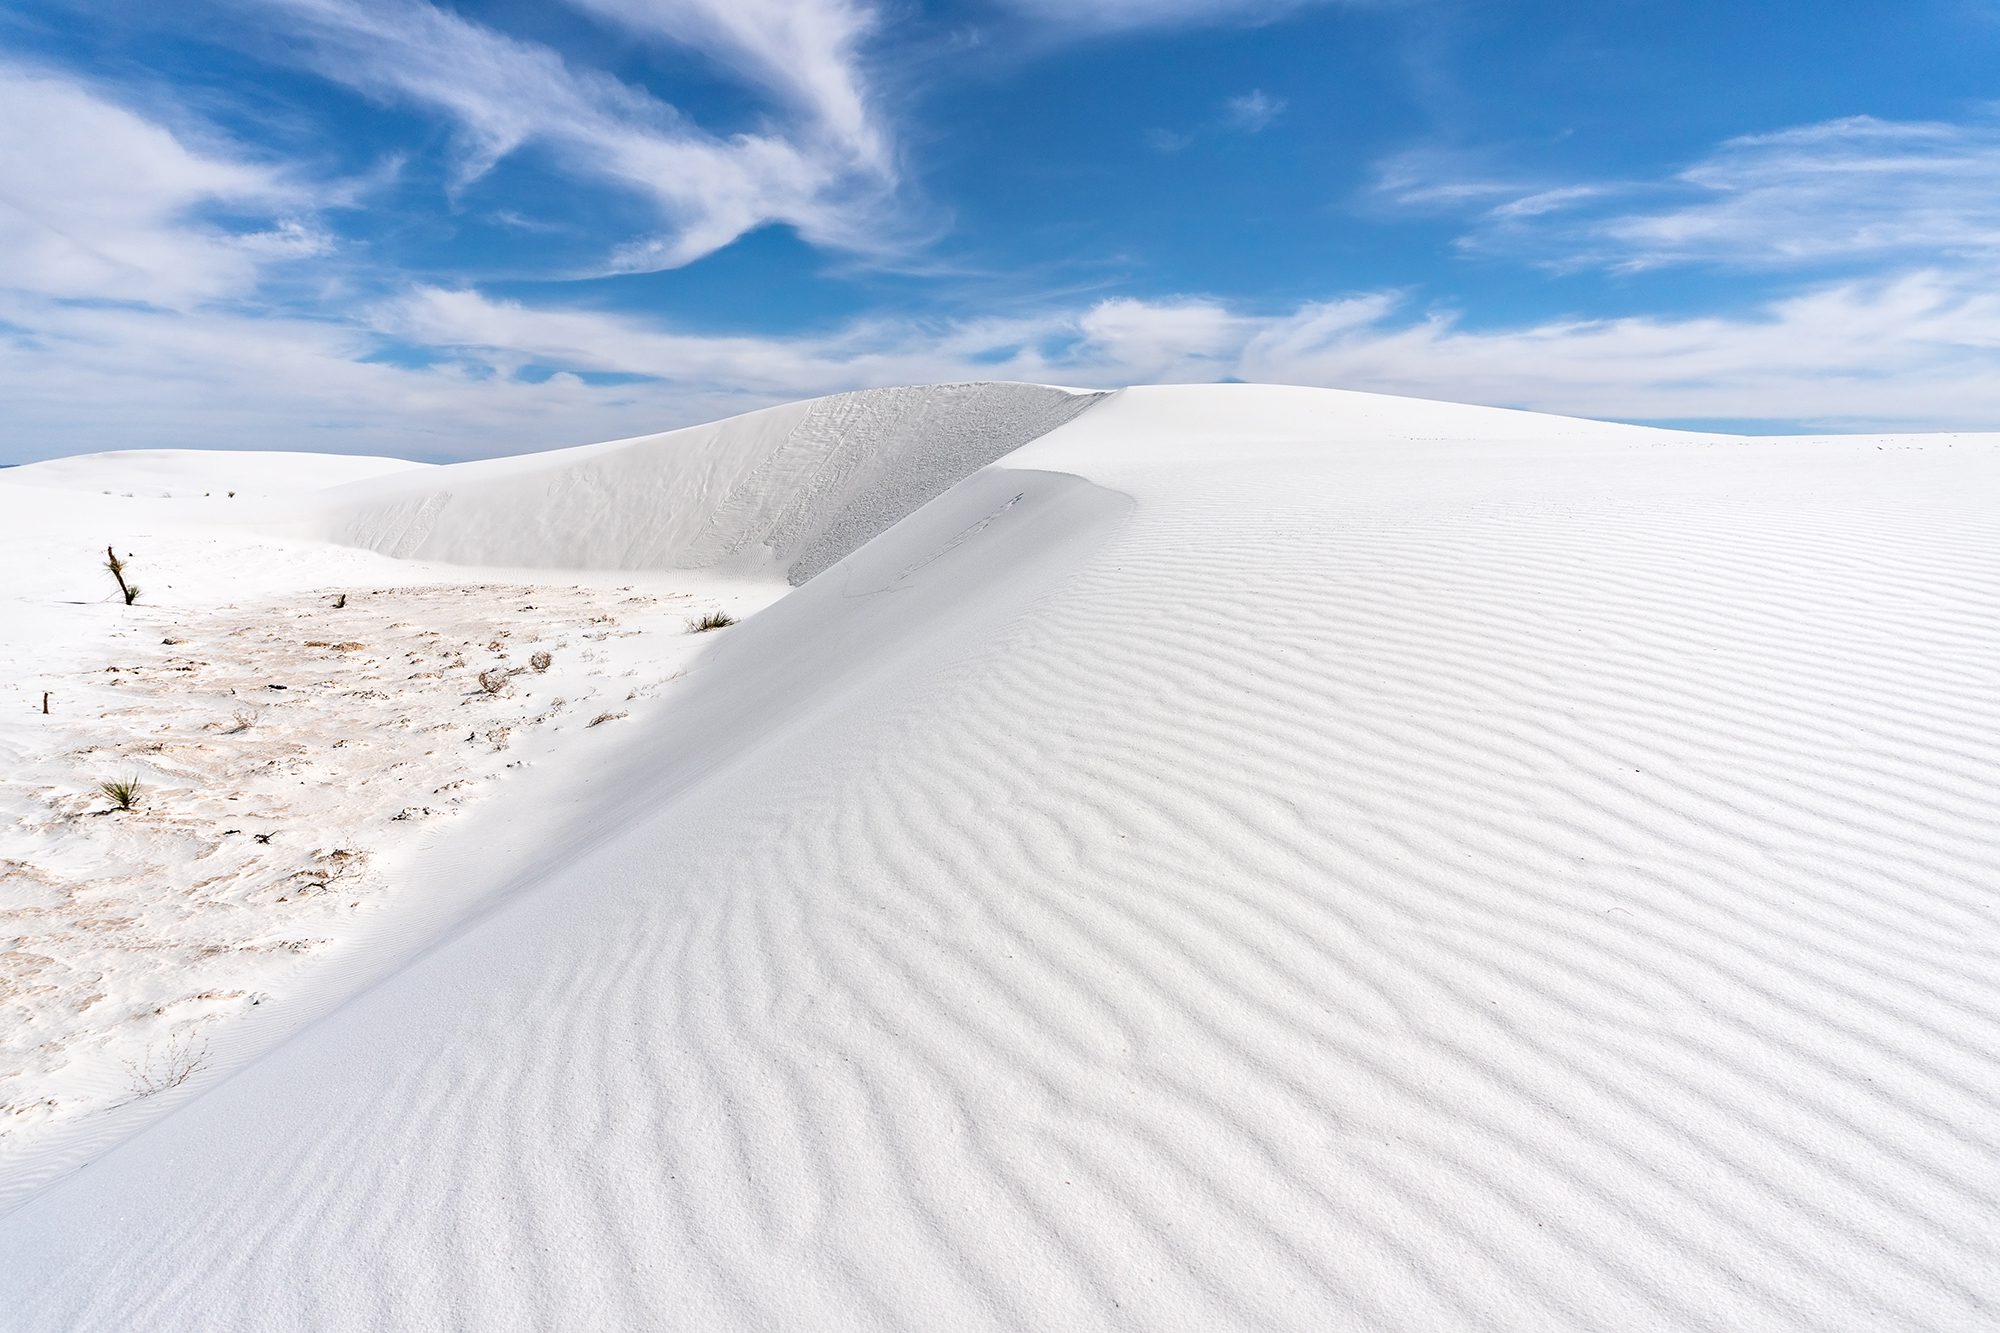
<point>183,1057</point>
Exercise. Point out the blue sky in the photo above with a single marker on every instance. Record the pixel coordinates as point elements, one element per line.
<point>446,230</point>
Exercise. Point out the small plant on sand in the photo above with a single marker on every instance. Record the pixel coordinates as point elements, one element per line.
<point>123,793</point>
<point>493,680</point>
<point>183,1056</point>
<point>340,602</point>
<point>240,721</point>
<point>117,568</point>
<point>713,620</point>
<point>540,661</point>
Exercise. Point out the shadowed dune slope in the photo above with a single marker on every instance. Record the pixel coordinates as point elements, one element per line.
<point>789,489</point>
<point>1257,858</point>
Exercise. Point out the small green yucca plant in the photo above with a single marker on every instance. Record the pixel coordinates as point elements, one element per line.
<point>123,794</point>
<point>713,620</point>
<point>117,567</point>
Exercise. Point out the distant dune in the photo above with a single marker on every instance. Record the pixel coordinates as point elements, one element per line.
<point>793,488</point>
<point>1189,858</point>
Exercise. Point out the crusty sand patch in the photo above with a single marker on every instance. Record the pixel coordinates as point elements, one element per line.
<point>285,752</point>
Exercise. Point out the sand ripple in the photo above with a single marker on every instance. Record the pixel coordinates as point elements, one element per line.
<point>1297,899</point>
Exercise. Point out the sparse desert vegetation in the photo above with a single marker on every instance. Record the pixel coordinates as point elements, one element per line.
<point>168,1064</point>
<point>116,565</point>
<point>123,793</point>
<point>270,828</point>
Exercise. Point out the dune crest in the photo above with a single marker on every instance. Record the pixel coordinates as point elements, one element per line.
<point>790,489</point>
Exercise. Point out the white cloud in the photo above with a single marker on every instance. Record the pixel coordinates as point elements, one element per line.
<point>1855,188</point>
<point>1249,113</point>
<point>1842,191</point>
<point>98,202</point>
<point>93,378</point>
<point>506,335</point>
<point>1914,351</point>
<point>806,51</point>
<point>1253,112</point>
<point>504,93</point>
<point>1910,352</point>
<point>1546,201</point>
<point>1110,16</point>
<point>1468,183</point>
<point>1152,340</point>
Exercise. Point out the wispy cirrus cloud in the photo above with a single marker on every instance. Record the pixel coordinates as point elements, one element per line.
<point>1856,189</point>
<point>1443,180</point>
<point>1112,16</point>
<point>1252,112</point>
<point>810,53</point>
<point>1852,188</point>
<point>829,175</point>
<point>1246,113</point>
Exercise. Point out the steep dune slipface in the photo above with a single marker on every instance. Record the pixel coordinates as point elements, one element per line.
<point>1257,859</point>
<point>791,489</point>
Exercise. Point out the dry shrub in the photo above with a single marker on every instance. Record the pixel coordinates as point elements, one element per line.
<point>184,1056</point>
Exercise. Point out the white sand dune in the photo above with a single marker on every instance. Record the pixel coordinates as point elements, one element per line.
<point>306,722</point>
<point>1250,858</point>
<point>168,474</point>
<point>792,488</point>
